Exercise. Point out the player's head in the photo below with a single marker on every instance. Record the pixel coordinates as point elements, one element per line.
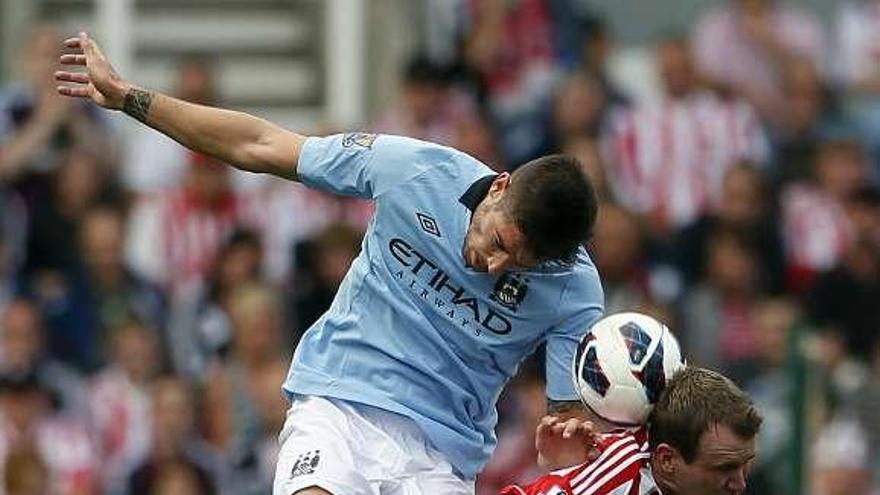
<point>702,435</point>
<point>543,211</point>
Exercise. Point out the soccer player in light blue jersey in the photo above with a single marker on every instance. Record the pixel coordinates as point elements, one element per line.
<point>462,274</point>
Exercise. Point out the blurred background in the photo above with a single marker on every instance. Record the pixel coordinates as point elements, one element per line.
<point>150,299</point>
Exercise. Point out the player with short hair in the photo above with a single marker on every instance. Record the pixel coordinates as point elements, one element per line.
<point>700,440</point>
<point>462,274</point>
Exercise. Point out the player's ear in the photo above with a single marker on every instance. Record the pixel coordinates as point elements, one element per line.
<point>499,184</point>
<point>666,459</point>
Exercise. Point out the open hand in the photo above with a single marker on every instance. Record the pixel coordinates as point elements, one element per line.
<point>563,443</point>
<point>100,82</point>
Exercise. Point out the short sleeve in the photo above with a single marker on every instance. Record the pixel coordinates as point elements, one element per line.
<point>563,339</point>
<point>360,164</point>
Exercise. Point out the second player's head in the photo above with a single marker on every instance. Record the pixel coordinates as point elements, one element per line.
<point>543,211</point>
<point>702,435</point>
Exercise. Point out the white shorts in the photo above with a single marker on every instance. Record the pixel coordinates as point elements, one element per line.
<point>353,449</point>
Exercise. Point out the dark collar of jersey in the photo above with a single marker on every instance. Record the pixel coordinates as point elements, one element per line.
<point>476,192</point>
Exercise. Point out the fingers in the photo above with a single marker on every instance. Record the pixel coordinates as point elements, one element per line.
<point>554,426</point>
<point>71,77</point>
<point>76,92</point>
<point>545,425</point>
<point>73,59</point>
<point>586,429</point>
<point>73,43</point>
<point>573,427</point>
<point>89,47</point>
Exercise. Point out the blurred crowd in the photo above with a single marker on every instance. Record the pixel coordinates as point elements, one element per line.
<point>150,298</point>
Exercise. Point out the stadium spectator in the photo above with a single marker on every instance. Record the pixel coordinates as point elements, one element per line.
<point>175,235</point>
<point>78,185</point>
<point>718,315</point>
<point>744,206</point>
<point>175,442</point>
<point>234,422</point>
<point>510,46</point>
<point>578,108</point>
<point>430,108</point>
<point>845,298</point>
<point>740,46</point>
<point>815,229</point>
<point>120,403</point>
<point>27,419</point>
<point>666,161</point>
<point>103,293</point>
<point>619,249</point>
<point>239,263</point>
<point>772,391</point>
<point>811,115</point>
<point>24,351</point>
<point>36,127</point>
<point>272,410</point>
<point>842,459</point>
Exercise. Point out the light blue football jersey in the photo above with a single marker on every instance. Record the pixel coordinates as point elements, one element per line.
<point>412,330</point>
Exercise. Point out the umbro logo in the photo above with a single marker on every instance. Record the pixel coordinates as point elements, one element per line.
<point>428,224</point>
<point>306,463</point>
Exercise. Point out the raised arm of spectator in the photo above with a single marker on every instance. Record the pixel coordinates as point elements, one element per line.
<point>244,141</point>
<point>31,140</point>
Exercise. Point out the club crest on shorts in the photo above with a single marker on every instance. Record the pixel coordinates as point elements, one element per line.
<point>306,463</point>
<point>510,290</point>
<point>362,139</point>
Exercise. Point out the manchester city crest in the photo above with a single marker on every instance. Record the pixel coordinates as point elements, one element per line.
<point>510,290</point>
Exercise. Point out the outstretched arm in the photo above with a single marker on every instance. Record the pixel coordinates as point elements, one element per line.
<point>244,141</point>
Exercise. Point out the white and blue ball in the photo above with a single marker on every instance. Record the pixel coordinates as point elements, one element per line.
<point>623,364</point>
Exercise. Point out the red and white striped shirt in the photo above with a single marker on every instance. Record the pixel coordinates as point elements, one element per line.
<point>668,161</point>
<point>815,228</point>
<point>63,444</point>
<point>174,236</point>
<point>622,468</point>
<point>121,424</point>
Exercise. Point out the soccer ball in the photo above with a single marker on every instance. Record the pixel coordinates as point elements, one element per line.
<point>622,365</point>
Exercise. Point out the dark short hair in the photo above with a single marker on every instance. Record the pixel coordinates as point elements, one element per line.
<point>553,203</point>
<point>695,400</point>
<point>420,69</point>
